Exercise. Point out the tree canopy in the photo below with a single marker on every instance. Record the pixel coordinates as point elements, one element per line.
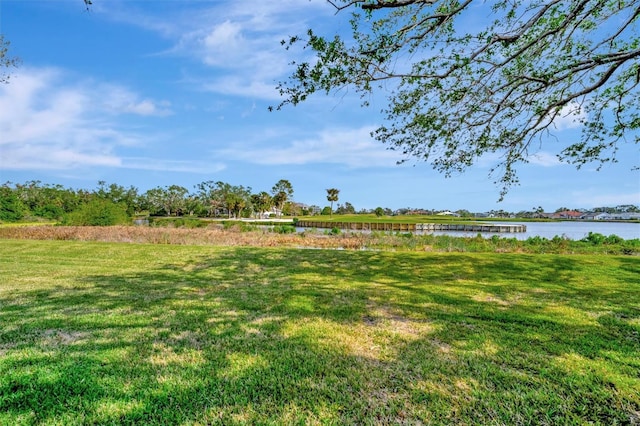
<point>332,196</point>
<point>281,191</point>
<point>467,79</point>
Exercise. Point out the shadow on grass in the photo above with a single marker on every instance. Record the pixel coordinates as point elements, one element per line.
<point>303,336</point>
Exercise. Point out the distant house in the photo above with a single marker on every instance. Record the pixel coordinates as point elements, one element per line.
<point>596,216</point>
<point>602,216</point>
<point>314,210</point>
<point>447,213</point>
<point>625,216</point>
<point>567,214</point>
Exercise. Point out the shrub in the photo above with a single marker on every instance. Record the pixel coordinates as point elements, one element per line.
<point>11,209</point>
<point>98,212</point>
<point>233,225</point>
<point>284,229</point>
<point>49,211</point>
<point>613,239</point>
<point>594,238</point>
<point>190,223</point>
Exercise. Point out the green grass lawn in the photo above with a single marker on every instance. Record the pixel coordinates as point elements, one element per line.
<point>106,333</point>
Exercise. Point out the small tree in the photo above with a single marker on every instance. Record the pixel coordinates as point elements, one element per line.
<point>98,212</point>
<point>282,191</point>
<point>11,208</point>
<point>332,196</point>
<point>261,202</point>
<point>119,195</point>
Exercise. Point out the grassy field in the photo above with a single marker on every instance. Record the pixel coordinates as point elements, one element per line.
<point>242,235</point>
<point>113,333</point>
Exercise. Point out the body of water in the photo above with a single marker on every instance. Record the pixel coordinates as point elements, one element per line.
<point>573,230</point>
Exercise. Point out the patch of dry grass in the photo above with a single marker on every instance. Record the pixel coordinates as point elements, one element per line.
<point>213,235</point>
<point>236,236</point>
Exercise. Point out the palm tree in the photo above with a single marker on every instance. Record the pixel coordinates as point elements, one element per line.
<point>332,195</point>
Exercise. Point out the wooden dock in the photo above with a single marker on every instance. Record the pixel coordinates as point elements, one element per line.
<point>413,227</point>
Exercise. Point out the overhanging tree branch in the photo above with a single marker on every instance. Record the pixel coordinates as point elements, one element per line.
<point>461,94</point>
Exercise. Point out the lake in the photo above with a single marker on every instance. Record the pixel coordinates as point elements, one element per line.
<point>569,229</point>
<point>575,230</point>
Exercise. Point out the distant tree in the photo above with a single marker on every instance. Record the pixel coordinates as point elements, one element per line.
<point>236,199</point>
<point>499,213</point>
<point>292,209</point>
<point>627,208</point>
<point>261,202</point>
<point>332,195</point>
<point>458,92</point>
<point>379,211</point>
<point>222,196</point>
<point>11,208</point>
<point>119,195</point>
<point>168,200</point>
<point>346,208</point>
<point>176,199</point>
<point>282,191</point>
<point>49,201</point>
<point>193,205</point>
<point>326,211</point>
<point>210,194</point>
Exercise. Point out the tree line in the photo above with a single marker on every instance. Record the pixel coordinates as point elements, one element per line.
<point>114,203</point>
<point>110,204</point>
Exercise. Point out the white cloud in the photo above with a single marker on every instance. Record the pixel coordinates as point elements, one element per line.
<point>162,165</point>
<point>544,159</point>
<point>239,40</point>
<point>50,124</point>
<point>222,43</point>
<point>119,100</point>
<point>570,116</point>
<point>352,147</point>
<point>239,86</point>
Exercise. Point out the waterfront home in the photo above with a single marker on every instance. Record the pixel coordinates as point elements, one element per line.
<point>596,216</point>
<point>567,214</point>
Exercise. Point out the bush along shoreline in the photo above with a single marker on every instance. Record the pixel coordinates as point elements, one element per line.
<point>230,233</point>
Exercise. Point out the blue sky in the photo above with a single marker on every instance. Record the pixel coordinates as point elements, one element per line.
<point>154,93</point>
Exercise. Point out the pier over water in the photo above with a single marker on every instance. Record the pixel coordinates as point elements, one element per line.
<point>413,227</point>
